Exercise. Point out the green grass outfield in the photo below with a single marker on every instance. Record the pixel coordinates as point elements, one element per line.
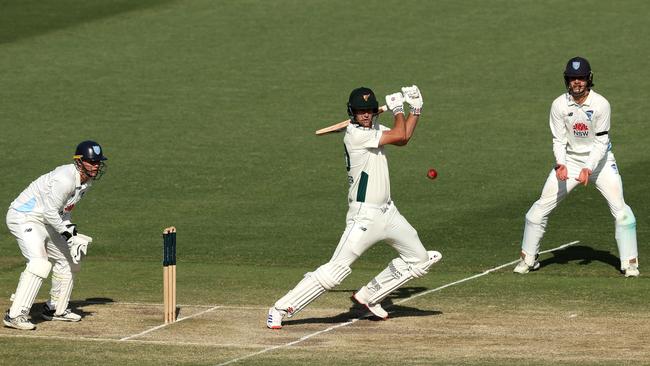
<point>207,112</point>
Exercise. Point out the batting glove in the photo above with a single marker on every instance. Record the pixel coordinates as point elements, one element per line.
<point>413,97</point>
<point>395,102</point>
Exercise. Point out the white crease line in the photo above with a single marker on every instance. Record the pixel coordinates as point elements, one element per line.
<point>165,325</point>
<point>479,274</point>
<point>138,341</point>
<point>269,349</point>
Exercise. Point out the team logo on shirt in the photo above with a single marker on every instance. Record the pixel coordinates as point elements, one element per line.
<point>589,114</point>
<point>580,129</point>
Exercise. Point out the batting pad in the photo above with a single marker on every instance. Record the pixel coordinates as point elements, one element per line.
<point>62,285</point>
<point>30,282</point>
<point>304,293</point>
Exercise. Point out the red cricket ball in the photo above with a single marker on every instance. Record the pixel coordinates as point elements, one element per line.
<point>432,173</point>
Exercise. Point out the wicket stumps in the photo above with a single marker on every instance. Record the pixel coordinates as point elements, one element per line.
<point>169,273</point>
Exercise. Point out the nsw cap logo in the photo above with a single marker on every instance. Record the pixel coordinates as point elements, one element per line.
<point>366,97</point>
<point>97,149</point>
<point>575,65</point>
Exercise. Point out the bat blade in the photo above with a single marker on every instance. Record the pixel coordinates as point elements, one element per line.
<point>342,125</point>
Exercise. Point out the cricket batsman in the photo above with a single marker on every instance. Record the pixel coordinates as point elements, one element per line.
<point>372,215</point>
<point>580,124</point>
<point>40,219</point>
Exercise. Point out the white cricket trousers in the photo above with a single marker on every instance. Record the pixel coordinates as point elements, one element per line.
<point>36,240</point>
<point>607,180</point>
<point>41,243</point>
<point>367,224</point>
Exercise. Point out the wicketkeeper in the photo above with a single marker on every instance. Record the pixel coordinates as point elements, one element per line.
<point>40,219</point>
<point>372,215</point>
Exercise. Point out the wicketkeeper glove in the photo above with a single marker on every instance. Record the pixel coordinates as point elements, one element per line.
<point>413,97</point>
<point>77,244</point>
<point>395,102</point>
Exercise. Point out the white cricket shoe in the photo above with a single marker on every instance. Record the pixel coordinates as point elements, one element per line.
<point>274,319</point>
<point>527,263</point>
<point>67,316</point>
<point>630,269</point>
<point>375,309</point>
<point>19,322</point>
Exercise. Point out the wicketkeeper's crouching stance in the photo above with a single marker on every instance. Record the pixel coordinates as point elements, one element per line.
<point>372,215</point>
<point>40,219</point>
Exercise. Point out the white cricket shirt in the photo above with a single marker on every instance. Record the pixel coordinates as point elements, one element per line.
<point>366,164</point>
<point>580,129</point>
<point>51,198</point>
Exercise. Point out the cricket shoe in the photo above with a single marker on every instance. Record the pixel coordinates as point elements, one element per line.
<point>375,309</point>
<point>527,263</point>
<point>274,320</point>
<point>67,316</point>
<point>631,269</point>
<point>19,322</point>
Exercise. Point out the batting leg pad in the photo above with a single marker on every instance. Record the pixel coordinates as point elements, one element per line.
<point>62,285</point>
<point>314,284</point>
<point>394,276</point>
<point>626,235</point>
<point>30,282</point>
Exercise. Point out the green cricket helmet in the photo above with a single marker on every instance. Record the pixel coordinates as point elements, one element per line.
<point>362,99</point>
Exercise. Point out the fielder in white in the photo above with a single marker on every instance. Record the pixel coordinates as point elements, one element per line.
<point>40,219</point>
<point>580,123</point>
<point>372,215</point>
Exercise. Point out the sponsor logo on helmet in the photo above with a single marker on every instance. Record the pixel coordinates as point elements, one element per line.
<point>366,97</point>
<point>575,65</point>
<point>580,129</point>
<point>97,149</point>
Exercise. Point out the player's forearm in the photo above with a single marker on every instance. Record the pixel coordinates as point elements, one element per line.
<point>559,151</point>
<point>597,153</point>
<point>400,125</point>
<point>411,123</point>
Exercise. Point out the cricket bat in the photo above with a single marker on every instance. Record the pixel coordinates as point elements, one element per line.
<point>342,125</point>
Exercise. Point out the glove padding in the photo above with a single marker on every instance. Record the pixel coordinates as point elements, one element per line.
<point>412,96</point>
<point>395,102</point>
<point>78,246</point>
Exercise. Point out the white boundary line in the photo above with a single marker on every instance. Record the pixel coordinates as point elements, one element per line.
<point>304,338</point>
<point>167,324</point>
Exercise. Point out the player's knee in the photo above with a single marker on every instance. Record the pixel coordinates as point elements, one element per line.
<point>65,268</point>
<point>331,274</point>
<point>625,217</point>
<point>420,269</point>
<point>39,267</point>
<point>534,216</point>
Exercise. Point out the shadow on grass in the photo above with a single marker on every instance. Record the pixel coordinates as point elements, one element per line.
<point>75,306</point>
<point>584,254</point>
<point>27,18</point>
<point>359,311</point>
